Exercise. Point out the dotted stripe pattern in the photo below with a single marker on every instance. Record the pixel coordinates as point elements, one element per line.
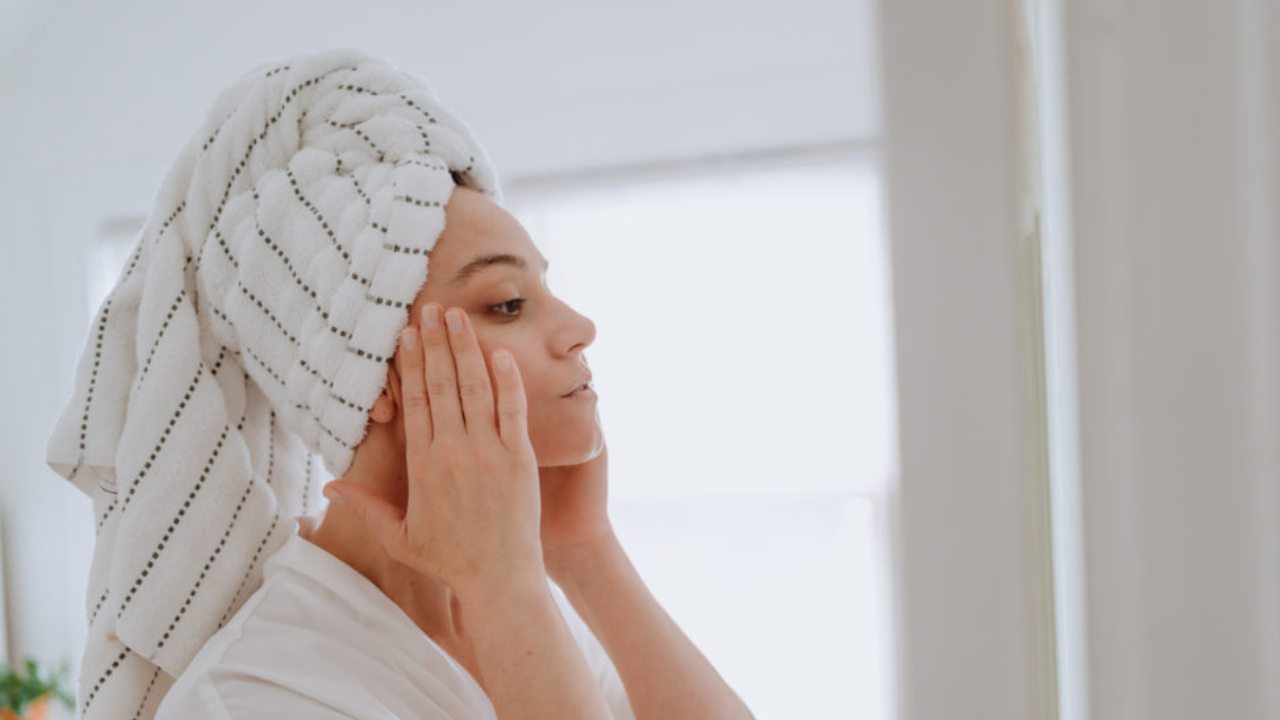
<point>213,372</point>
<point>163,439</point>
<point>93,381</point>
<point>173,308</point>
<point>309,347</point>
<point>173,527</point>
<point>208,563</point>
<point>101,323</point>
<point>146,695</point>
<point>106,674</point>
<point>253,565</point>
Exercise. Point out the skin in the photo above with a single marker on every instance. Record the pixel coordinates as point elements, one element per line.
<point>547,339</point>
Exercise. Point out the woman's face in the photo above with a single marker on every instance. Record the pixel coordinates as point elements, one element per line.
<point>511,307</point>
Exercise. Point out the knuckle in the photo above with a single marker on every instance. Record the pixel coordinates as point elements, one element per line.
<point>439,386</point>
<point>415,401</point>
<point>473,388</point>
<point>434,339</point>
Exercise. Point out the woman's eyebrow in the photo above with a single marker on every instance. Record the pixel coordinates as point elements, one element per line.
<point>480,262</point>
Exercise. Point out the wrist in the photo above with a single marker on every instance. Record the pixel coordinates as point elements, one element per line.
<point>565,564</point>
<point>500,582</point>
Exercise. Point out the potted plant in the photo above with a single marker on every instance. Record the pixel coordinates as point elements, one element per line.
<point>27,698</point>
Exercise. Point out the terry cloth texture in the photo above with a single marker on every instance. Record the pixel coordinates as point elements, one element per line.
<point>249,332</point>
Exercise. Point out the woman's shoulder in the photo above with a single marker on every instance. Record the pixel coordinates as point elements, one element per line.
<point>314,641</point>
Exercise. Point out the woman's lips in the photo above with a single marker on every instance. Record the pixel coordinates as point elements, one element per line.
<point>586,392</point>
<point>578,388</point>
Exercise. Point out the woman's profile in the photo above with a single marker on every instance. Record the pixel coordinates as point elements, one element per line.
<point>328,271</point>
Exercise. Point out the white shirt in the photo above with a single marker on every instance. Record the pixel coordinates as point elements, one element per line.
<point>320,641</point>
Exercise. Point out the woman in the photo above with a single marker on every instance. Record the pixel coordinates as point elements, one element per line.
<point>421,503</point>
<point>482,532</point>
<point>255,327</point>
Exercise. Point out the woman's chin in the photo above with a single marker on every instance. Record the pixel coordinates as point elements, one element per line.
<point>570,446</point>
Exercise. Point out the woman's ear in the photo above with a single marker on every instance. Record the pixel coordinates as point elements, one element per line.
<point>393,384</point>
<point>384,408</point>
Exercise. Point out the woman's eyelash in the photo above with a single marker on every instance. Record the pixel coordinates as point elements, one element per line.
<point>495,308</point>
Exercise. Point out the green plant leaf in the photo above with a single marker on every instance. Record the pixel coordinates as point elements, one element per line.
<point>17,691</point>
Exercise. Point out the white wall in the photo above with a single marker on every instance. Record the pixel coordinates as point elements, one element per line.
<point>97,100</point>
<point>1171,181</point>
<point>975,602</point>
<point>1162,172</point>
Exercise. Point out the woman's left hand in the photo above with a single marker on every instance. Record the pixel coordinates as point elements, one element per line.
<point>574,508</point>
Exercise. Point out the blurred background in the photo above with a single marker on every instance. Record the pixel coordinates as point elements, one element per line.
<point>937,342</point>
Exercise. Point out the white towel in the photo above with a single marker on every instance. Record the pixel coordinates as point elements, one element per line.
<point>249,331</point>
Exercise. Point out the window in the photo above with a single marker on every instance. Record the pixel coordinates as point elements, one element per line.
<point>115,241</point>
<point>744,363</point>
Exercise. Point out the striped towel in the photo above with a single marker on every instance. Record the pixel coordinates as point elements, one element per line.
<point>249,331</point>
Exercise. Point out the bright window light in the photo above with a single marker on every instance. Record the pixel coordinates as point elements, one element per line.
<point>743,359</point>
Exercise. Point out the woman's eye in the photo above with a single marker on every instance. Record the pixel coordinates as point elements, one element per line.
<point>500,308</point>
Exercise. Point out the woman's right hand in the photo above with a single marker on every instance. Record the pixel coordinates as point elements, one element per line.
<point>474,506</point>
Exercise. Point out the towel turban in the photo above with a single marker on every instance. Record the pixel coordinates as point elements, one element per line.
<point>249,332</point>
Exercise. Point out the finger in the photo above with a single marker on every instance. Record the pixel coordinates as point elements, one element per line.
<point>440,375</point>
<point>418,431</point>
<point>513,413</point>
<point>473,374</point>
<point>382,519</point>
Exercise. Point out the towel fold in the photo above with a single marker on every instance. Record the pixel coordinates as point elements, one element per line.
<point>248,333</point>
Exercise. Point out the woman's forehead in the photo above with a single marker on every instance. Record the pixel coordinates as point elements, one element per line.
<point>476,225</point>
<point>478,234</point>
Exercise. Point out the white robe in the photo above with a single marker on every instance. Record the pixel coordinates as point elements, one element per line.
<point>320,641</point>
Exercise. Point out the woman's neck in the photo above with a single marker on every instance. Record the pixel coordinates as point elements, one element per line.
<point>427,601</point>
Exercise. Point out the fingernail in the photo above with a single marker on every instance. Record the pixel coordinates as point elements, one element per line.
<point>502,360</point>
<point>430,316</point>
<point>453,319</point>
<point>408,338</point>
<point>335,496</point>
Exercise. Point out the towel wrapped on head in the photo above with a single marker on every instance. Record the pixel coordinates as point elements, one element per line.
<point>249,332</point>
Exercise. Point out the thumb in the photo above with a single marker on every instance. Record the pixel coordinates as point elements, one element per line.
<point>384,520</point>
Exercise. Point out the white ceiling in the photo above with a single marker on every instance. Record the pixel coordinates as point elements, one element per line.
<point>19,20</point>
<point>547,86</point>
